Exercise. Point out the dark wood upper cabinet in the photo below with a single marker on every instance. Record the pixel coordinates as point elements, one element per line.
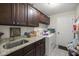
<point>19,14</point>
<point>44,19</point>
<point>5,14</point>
<point>32,16</point>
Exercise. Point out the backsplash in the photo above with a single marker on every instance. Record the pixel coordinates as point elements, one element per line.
<point>6,30</point>
<point>40,29</point>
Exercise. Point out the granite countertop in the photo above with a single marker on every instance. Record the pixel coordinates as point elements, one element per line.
<point>4,52</point>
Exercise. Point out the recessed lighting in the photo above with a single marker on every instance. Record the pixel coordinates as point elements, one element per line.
<point>53,4</point>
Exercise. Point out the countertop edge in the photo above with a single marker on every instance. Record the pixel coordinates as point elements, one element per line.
<point>19,47</point>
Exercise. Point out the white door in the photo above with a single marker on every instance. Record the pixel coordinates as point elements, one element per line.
<point>64,30</point>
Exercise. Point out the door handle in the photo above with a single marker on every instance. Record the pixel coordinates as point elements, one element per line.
<point>58,32</point>
<point>17,22</point>
<point>13,22</point>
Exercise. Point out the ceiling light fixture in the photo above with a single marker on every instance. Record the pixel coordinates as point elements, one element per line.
<point>53,4</point>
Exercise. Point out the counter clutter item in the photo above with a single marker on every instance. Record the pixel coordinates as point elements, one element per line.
<point>30,34</point>
<point>77,47</point>
<point>33,34</point>
<point>52,30</point>
<point>27,34</point>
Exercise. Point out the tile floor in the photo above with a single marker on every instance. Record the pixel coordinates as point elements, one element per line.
<point>59,52</point>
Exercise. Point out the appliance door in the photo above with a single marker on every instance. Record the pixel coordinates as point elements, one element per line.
<point>50,44</point>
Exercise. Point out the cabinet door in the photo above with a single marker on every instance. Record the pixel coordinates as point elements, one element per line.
<point>31,53</point>
<point>38,50</point>
<point>32,17</point>
<point>42,47</point>
<point>27,50</point>
<point>47,20</point>
<point>19,12</point>
<point>5,14</point>
<point>44,19</point>
<point>17,53</point>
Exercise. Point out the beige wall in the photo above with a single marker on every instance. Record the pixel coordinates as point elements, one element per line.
<point>53,18</point>
<point>65,15</point>
<point>77,10</point>
<point>52,21</point>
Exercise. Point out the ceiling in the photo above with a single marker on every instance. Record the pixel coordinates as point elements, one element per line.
<point>50,9</point>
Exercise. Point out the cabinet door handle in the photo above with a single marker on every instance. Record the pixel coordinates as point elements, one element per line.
<point>38,43</point>
<point>58,32</point>
<point>17,22</point>
<point>13,22</point>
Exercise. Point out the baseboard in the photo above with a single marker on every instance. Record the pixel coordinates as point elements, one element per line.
<point>62,47</point>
